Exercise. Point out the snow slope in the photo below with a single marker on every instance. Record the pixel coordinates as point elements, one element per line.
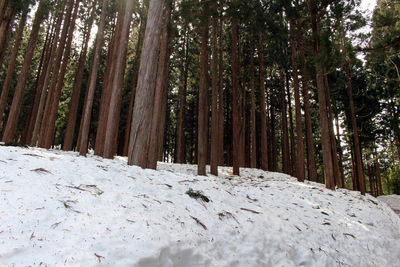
<point>59,209</point>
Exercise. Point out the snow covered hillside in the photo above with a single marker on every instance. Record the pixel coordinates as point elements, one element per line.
<point>57,208</point>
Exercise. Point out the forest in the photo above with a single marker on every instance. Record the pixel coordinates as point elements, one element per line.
<point>308,88</point>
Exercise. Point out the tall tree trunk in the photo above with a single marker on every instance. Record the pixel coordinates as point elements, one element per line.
<point>292,148</point>
<point>300,171</point>
<point>262,100</point>
<point>76,91</point>
<point>378,176</point>
<point>43,142</point>
<point>87,109</point>
<point>311,165</point>
<point>117,83</point>
<point>60,80</point>
<point>11,65</point>
<point>253,133</point>
<point>357,148</point>
<point>162,80</point>
<point>324,123</point>
<point>235,101</point>
<point>144,99</point>
<point>214,103</point>
<point>11,126</point>
<point>45,79</point>
<point>202,139</point>
<point>220,89</point>
<point>135,71</point>
<point>285,131</point>
<point>274,146</point>
<point>340,152</point>
<point>5,26</point>
<point>180,139</point>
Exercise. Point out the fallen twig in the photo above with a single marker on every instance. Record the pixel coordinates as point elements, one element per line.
<point>99,257</point>
<point>199,222</point>
<point>346,234</point>
<point>253,211</point>
<point>40,170</point>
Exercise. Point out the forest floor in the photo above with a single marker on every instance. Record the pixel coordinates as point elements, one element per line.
<point>57,208</point>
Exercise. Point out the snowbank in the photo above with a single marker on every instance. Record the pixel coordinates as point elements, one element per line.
<point>393,201</point>
<point>58,208</point>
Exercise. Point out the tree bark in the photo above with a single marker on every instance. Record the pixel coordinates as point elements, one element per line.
<point>214,103</point>
<point>117,83</point>
<point>324,123</point>
<point>144,99</point>
<point>262,100</point>
<point>162,80</point>
<point>253,132</point>
<point>87,109</point>
<point>202,139</point>
<point>300,171</point>
<point>60,80</point>
<point>180,139</point>
<point>11,126</point>
<point>5,26</point>
<point>11,65</point>
<point>235,101</point>
<point>76,91</point>
<point>285,132</point>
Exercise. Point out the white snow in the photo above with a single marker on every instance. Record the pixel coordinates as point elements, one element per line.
<point>393,201</point>
<point>60,209</point>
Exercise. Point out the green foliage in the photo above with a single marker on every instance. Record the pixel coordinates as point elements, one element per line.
<point>394,177</point>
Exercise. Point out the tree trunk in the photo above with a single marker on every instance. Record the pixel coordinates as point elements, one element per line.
<point>262,99</point>
<point>292,148</point>
<point>117,82</point>
<point>202,140</point>
<point>235,101</point>
<point>144,99</point>
<point>5,26</point>
<point>300,171</point>
<point>180,139</point>
<point>214,104</point>
<point>253,133</point>
<point>162,80</point>
<point>11,65</point>
<point>76,91</point>
<point>285,132</point>
<point>311,165</point>
<point>341,169</point>
<point>357,148</point>
<point>43,142</point>
<point>220,90</point>
<point>11,126</point>
<point>45,79</point>
<point>378,176</point>
<point>60,80</point>
<point>87,110</point>
<point>324,123</point>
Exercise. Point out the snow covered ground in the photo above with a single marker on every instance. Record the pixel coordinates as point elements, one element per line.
<point>393,201</point>
<point>59,209</point>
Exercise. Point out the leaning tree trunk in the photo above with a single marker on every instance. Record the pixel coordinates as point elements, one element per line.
<point>11,126</point>
<point>144,99</point>
<point>11,64</point>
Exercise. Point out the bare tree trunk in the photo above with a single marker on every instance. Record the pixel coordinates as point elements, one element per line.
<point>300,171</point>
<point>87,110</point>
<point>357,148</point>
<point>117,82</point>
<point>5,26</point>
<point>214,104</point>
<point>235,101</point>
<point>11,65</point>
<point>162,80</point>
<point>60,80</point>
<point>253,133</point>
<point>43,142</point>
<point>324,123</point>
<point>285,132</point>
<point>45,79</point>
<point>340,152</point>
<point>135,71</point>
<point>311,165</point>
<point>378,176</point>
<point>292,148</point>
<point>76,91</point>
<point>220,91</point>
<point>202,141</point>
<point>144,99</point>
<point>9,132</point>
<point>262,99</point>
<point>180,139</point>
